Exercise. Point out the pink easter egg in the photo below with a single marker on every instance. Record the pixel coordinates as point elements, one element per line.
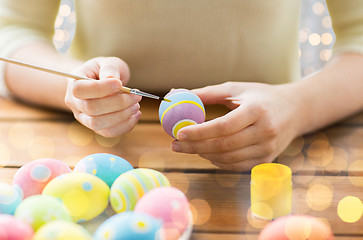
<point>12,228</point>
<point>296,227</point>
<point>171,206</point>
<point>35,175</point>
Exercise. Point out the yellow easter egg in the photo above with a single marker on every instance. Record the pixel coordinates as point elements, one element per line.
<point>129,187</point>
<point>62,230</point>
<point>85,195</point>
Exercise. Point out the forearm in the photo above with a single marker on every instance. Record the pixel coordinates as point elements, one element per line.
<point>38,87</point>
<point>332,94</point>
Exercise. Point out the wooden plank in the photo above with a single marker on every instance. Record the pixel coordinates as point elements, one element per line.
<point>221,202</point>
<point>333,151</point>
<point>146,146</point>
<point>242,236</point>
<point>13,110</point>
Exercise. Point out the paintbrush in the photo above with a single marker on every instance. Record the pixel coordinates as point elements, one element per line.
<point>69,75</point>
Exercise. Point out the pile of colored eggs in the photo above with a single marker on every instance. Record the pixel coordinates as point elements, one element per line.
<point>49,201</point>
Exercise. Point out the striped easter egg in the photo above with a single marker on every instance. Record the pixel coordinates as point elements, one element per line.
<point>185,109</point>
<point>130,186</point>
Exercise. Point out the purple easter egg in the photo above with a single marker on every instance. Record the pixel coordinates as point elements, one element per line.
<point>184,109</point>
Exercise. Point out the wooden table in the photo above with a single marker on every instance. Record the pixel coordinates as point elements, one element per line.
<point>327,166</point>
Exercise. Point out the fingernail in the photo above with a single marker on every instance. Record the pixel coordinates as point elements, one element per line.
<point>116,85</point>
<point>175,147</point>
<point>135,108</point>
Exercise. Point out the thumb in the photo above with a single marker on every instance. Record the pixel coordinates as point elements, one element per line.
<point>215,94</point>
<point>112,67</point>
<point>109,71</point>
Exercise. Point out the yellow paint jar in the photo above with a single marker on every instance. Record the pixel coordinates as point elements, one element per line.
<point>271,190</point>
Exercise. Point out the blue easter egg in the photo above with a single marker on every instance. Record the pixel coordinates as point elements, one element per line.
<point>106,166</point>
<point>10,197</point>
<point>129,225</point>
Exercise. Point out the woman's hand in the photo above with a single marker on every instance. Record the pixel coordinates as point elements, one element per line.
<point>264,120</point>
<point>99,104</point>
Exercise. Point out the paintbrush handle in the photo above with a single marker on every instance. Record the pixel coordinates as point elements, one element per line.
<point>69,75</point>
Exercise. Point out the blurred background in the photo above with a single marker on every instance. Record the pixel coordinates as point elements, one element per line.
<point>316,36</point>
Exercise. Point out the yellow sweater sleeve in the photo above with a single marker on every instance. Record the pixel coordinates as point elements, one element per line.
<point>347,21</point>
<point>24,21</point>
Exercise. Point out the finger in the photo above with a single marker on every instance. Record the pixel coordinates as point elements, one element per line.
<point>218,94</point>
<point>248,136</point>
<point>249,152</point>
<point>240,166</point>
<point>100,122</point>
<point>113,67</point>
<point>228,124</point>
<point>104,67</point>
<point>110,104</point>
<point>121,128</point>
<point>90,89</point>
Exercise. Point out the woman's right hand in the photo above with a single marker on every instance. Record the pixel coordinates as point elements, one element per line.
<point>99,104</point>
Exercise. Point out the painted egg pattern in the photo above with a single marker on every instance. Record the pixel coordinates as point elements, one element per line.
<point>35,175</point>
<point>103,165</point>
<point>171,206</point>
<point>85,195</point>
<point>10,198</point>
<point>129,225</point>
<point>62,230</point>
<point>37,210</point>
<point>12,228</point>
<point>185,109</point>
<point>132,185</point>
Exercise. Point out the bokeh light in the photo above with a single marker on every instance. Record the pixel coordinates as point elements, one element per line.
<point>227,180</point>
<point>295,162</point>
<point>303,227</point>
<point>319,195</point>
<point>325,54</point>
<point>20,135</point>
<point>64,10</point>
<point>107,142</point>
<point>338,161</point>
<point>326,22</point>
<point>327,38</point>
<point>318,8</point>
<point>41,147</point>
<point>5,155</point>
<point>298,228</point>
<point>295,147</point>
<point>79,134</point>
<point>201,211</point>
<point>350,209</point>
<point>256,222</point>
<point>355,173</point>
<point>314,39</point>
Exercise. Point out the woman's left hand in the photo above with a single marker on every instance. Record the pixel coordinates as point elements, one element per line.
<point>264,120</point>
